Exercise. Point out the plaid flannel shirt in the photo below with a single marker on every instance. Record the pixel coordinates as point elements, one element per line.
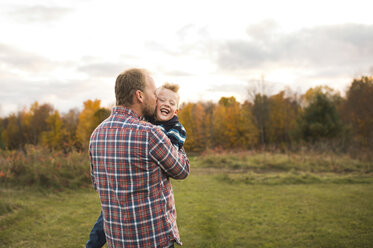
<point>131,162</point>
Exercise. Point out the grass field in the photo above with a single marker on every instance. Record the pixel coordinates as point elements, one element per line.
<point>229,200</point>
<point>214,210</point>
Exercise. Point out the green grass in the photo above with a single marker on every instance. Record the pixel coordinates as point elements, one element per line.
<point>214,210</point>
<point>241,199</point>
<point>48,219</point>
<point>214,213</point>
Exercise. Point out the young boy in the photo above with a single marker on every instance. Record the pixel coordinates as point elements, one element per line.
<point>165,115</point>
<point>166,118</point>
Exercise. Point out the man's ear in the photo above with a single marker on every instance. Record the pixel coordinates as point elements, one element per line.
<point>139,96</point>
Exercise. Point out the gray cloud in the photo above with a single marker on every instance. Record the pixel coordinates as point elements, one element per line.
<point>17,93</point>
<point>22,60</point>
<point>330,47</point>
<point>38,13</point>
<point>34,89</point>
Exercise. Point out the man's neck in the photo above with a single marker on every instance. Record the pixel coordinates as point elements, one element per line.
<point>135,108</point>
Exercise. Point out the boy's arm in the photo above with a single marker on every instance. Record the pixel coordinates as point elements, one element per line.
<point>177,134</point>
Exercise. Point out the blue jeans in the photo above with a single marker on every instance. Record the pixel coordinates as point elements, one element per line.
<point>97,237</point>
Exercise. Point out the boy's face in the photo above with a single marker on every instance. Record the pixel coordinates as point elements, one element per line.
<point>167,105</point>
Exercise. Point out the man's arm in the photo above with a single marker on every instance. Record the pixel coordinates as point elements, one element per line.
<point>93,179</point>
<point>173,162</point>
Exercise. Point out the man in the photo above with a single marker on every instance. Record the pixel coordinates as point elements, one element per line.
<point>131,162</point>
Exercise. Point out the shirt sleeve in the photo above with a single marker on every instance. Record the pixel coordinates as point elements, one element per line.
<point>172,161</point>
<point>92,173</point>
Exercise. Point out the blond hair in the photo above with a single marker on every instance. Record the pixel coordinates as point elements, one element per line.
<point>170,86</point>
<point>173,87</point>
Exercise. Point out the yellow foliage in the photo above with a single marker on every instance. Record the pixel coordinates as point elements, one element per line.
<point>87,121</point>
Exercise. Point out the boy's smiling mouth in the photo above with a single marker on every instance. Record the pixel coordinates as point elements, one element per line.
<point>164,111</point>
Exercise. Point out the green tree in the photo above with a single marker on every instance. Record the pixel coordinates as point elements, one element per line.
<point>320,120</point>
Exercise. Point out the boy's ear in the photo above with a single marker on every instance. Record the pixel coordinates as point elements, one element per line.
<point>177,111</point>
<point>139,96</point>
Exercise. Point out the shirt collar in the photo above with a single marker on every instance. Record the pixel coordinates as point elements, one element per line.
<point>125,111</point>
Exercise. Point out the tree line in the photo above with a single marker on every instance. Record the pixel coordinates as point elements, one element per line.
<point>320,118</point>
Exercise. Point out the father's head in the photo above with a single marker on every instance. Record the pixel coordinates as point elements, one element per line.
<point>135,89</point>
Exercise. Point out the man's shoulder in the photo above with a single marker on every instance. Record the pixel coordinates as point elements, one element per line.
<point>146,127</point>
<point>116,122</point>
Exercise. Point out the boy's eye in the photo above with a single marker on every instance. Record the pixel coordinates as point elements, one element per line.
<point>172,103</point>
<point>161,99</point>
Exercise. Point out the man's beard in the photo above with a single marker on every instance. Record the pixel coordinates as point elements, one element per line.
<point>149,112</point>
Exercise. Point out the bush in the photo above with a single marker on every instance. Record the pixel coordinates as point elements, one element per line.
<point>37,166</point>
<point>304,161</point>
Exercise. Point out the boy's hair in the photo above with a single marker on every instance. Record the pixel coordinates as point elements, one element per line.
<point>170,86</point>
<point>127,83</point>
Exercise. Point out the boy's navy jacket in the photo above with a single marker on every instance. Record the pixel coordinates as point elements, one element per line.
<point>174,130</point>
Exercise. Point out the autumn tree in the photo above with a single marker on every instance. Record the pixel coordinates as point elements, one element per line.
<point>2,144</point>
<point>220,130</point>
<point>56,134</point>
<point>186,119</point>
<point>282,115</point>
<point>232,126</point>
<point>358,110</point>
<point>35,122</point>
<point>248,132</point>
<point>196,122</point>
<point>261,112</point>
<point>11,134</point>
<point>91,116</point>
<point>70,123</point>
<point>311,93</point>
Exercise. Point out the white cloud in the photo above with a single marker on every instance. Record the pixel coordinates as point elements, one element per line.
<point>70,51</point>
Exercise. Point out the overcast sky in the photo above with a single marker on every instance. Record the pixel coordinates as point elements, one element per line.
<point>66,52</point>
